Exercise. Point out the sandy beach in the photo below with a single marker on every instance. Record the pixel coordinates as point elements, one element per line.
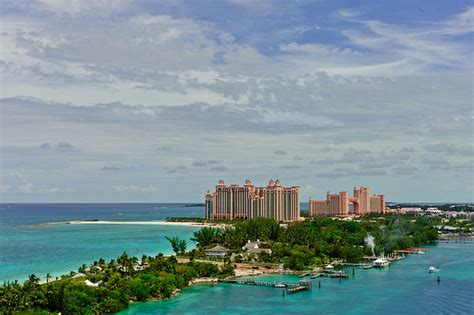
<point>103,222</point>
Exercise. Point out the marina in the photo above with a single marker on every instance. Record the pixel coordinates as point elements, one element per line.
<point>290,287</point>
<point>408,278</point>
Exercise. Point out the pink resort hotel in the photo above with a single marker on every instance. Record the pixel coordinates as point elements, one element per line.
<point>342,205</point>
<point>247,201</point>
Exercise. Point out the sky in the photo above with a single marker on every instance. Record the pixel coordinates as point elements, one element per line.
<point>154,101</point>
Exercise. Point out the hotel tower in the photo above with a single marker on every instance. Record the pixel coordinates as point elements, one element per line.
<point>342,205</point>
<point>247,201</point>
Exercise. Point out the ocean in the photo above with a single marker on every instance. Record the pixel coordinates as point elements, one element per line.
<point>405,287</point>
<point>57,249</point>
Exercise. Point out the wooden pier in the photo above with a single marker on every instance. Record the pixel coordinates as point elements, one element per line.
<point>290,287</point>
<point>456,238</point>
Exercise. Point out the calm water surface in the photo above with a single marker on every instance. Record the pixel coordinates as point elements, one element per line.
<point>58,249</point>
<point>404,288</point>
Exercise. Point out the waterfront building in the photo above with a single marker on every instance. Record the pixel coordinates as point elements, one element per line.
<point>216,251</point>
<point>247,201</point>
<point>410,210</point>
<point>341,204</point>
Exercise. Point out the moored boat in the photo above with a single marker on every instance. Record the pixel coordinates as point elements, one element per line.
<point>381,263</point>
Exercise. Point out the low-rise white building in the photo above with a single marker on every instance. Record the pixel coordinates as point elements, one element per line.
<point>216,251</point>
<point>256,247</point>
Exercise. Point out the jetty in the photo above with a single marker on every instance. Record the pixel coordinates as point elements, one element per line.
<point>456,237</point>
<point>332,274</point>
<point>419,251</point>
<point>290,287</point>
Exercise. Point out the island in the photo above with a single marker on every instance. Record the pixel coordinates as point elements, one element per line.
<point>222,253</point>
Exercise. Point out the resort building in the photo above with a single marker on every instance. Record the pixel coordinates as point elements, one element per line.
<point>341,204</point>
<point>247,201</point>
<point>256,248</point>
<point>216,251</point>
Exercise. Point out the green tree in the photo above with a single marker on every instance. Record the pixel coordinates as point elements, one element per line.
<point>207,236</point>
<point>178,245</point>
<point>48,276</point>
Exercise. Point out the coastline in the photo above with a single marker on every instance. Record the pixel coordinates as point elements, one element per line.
<point>238,273</point>
<point>370,291</point>
<point>107,222</point>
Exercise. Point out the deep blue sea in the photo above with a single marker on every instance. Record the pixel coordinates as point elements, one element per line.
<point>404,288</point>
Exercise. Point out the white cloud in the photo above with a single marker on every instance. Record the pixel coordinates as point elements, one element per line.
<point>265,6</point>
<point>120,86</point>
<point>317,49</point>
<point>427,45</point>
<point>347,13</point>
<point>133,188</point>
<point>56,190</point>
<point>18,180</point>
<point>26,187</point>
<point>4,188</point>
<point>75,7</point>
<point>279,119</point>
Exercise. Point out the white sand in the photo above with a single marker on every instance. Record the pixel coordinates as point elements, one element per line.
<point>101,222</point>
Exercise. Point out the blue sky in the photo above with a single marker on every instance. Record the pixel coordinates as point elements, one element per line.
<point>153,101</point>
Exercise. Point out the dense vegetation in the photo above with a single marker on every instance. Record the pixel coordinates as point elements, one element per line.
<point>185,219</point>
<point>298,246</point>
<point>304,244</point>
<point>463,225</point>
<point>444,207</point>
<point>120,282</point>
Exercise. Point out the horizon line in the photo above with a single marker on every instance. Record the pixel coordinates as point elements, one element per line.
<point>200,202</point>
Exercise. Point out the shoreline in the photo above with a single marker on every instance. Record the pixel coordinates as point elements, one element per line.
<point>108,222</point>
<point>242,270</point>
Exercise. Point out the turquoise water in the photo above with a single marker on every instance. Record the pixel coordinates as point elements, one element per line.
<point>403,288</point>
<point>58,249</point>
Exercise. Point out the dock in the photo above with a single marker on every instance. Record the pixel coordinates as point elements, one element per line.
<point>290,287</point>
<point>333,274</point>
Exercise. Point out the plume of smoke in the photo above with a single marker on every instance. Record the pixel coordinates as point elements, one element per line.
<point>370,242</point>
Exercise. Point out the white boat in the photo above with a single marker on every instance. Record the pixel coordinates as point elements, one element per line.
<point>280,285</point>
<point>421,252</point>
<point>381,263</point>
<point>432,269</point>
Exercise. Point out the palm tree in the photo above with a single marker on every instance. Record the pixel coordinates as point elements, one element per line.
<point>82,268</point>
<point>192,255</point>
<point>207,236</point>
<point>123,260</point>
<point>274,231</point>
<point>31,283</point>
<point>133,262</point>
<point>33,279</point>
<point>178,245</point>
<point>48,276</point>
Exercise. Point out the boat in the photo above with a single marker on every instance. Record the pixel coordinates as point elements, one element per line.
<point>381,263</point>
<point>432,269</point>
<point>280,285</point>
<point>420,252</point>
